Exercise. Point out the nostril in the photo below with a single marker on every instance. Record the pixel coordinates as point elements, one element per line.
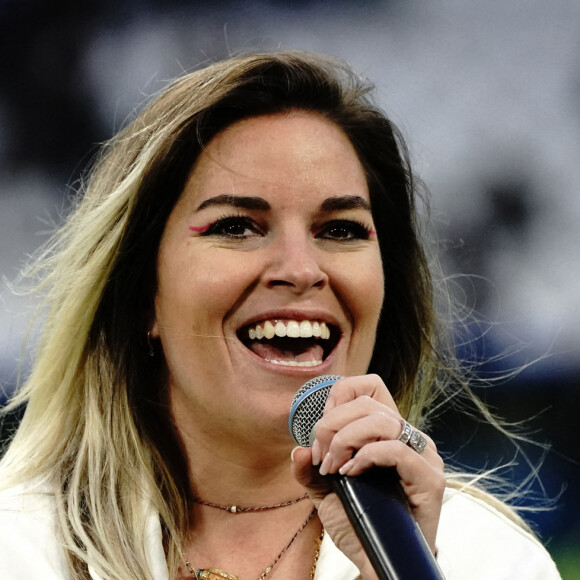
<point>294,269</point>
<point>280,283</point>
<point>297,284</point>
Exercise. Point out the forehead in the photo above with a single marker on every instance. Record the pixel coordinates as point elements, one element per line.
<point>296,151</point>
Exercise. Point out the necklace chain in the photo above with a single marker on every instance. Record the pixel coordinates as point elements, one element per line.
<point>316,555</point>
<point>236,509</point>
<point>216,573</point>
<point>302,526</point>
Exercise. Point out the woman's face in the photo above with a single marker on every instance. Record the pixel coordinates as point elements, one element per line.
<point>269,272</point>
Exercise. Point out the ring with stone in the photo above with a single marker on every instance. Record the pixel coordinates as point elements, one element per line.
<point>413,438</point>
<point>406,433</point>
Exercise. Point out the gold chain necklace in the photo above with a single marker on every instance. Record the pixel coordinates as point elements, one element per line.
<point>217,574</point>
<point>236,509</point>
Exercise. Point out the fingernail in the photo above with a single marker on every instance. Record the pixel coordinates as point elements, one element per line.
<point>327,462</point>
<point>315,453</point>
<point>346,467</point>
<point>292,454</point>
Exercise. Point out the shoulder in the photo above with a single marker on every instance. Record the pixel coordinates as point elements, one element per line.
<point>28,543</point>
<point>477,541</point>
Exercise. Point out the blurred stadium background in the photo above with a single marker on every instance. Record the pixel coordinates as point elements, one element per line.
<point>487,95</point>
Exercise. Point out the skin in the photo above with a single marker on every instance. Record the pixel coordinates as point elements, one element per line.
<point>298,242</point>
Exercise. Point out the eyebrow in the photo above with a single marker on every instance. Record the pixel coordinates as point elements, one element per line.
<point>336,203</point>
<point>345,202</point>
<point>244,202</point>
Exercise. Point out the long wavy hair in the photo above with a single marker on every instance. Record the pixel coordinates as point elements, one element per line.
<point>97,425</point>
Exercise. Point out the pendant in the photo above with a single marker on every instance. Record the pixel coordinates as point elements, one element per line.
<point>214,574</point>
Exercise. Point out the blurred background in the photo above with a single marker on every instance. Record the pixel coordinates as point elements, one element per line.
<point>487,95</point>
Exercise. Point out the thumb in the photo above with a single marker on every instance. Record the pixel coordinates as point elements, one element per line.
<point>317,486</point>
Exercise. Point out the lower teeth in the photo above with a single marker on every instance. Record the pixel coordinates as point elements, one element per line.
<point>293,363</point>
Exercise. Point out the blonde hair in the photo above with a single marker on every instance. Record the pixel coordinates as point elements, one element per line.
<point>96,424</point>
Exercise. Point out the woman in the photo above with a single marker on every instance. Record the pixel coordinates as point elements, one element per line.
<point>253,228</point>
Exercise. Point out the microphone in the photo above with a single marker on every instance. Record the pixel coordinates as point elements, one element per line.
<point>374,501</point>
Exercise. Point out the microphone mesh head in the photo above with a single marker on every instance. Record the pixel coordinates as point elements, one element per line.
<point>307,407</point>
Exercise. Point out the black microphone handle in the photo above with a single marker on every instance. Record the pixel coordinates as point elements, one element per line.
<point>379,512</point>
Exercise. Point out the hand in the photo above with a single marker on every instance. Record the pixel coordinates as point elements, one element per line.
<point>361,416</point>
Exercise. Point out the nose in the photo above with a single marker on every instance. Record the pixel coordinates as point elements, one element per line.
<point>295,263</point>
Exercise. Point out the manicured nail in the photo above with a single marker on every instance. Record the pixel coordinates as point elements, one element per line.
<point>315,453</point>
<point>326,463</point>
<point>346,467</point>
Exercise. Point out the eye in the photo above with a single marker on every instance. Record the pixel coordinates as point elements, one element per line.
<point>238,227</point>
<point>343,231</point>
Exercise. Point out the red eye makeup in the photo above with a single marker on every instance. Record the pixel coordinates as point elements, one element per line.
<point>200,229</point>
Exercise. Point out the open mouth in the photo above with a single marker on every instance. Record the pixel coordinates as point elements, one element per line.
<point>304,343</point>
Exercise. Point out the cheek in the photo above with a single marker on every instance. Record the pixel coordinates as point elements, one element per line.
<point>370,285</point>
<point>363,291</point>
<point>371,294</point>
<point>198,291</point>
<point>173,287</point>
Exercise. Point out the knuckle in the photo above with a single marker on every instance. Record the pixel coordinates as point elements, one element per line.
<point>366,455</point>
<point>440,484</point>
<point>366,401</point>
<point>338,441</point>
<point>439,464</point>
<point>385,425</point>
<point>324,431</point>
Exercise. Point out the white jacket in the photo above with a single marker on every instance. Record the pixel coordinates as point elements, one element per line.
<point>474,541</point>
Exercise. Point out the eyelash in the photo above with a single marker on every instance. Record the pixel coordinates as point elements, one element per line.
<point>351,230</point>
<point>354,229</point>
<point>231,221</point>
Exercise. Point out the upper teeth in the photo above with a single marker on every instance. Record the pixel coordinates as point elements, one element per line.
<point>290,328</point>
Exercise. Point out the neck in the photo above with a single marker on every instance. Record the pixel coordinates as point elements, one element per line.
<point>240,470</point>
<point>233,476</point>
<point>250,544</point>
<point>237,465</point>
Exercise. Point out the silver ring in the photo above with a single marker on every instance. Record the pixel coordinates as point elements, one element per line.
<point>406,433</point>
<point>413,438</point>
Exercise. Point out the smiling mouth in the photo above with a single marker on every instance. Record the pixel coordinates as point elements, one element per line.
<point>304,343</point>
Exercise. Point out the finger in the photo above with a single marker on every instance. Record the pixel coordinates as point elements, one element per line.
<point>308,476</point>
<point>330,509</point>
<point>348,427</point>
<point>413,469</point>
<point>336,418</point>
<point>358,434</point>
<point>345,431</point>
<point>422,481</point>
<point>350,388</point>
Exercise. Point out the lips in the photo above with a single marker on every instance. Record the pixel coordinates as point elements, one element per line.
<point>303,343</point>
